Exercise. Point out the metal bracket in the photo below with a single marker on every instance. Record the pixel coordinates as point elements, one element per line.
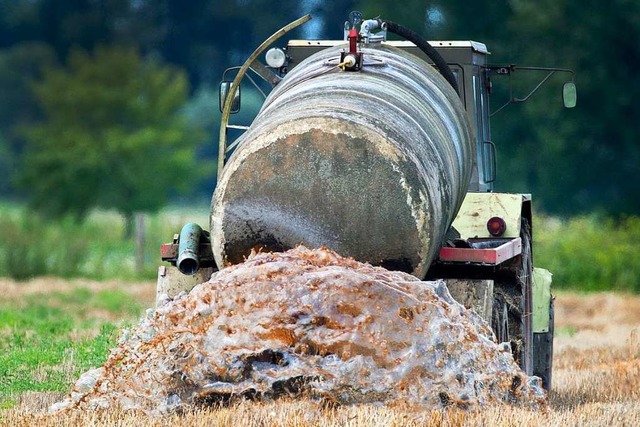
<point>508,70</point>
<point>224,120</point>
<point>490,177</point>
<point>266,73</point>
<point>487,256</point>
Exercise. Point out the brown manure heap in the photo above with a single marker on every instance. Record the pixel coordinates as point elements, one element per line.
<point>311,323</point>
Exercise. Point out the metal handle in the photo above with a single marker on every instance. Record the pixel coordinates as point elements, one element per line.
<point>492,154</point>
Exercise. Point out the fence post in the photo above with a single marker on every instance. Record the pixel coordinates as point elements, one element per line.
<point>140,235</point>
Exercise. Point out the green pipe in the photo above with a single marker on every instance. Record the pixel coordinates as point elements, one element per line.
<point>188,262</point>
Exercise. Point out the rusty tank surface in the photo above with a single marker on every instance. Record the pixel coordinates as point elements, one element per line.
<point>373,164</point>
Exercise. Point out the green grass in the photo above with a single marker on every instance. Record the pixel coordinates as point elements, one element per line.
<point>48,340</point>
<point>590,253</point>
<point>95,248</point>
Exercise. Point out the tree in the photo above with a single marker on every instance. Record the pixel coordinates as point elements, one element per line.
<point>19,66</point>
<point>586,159</point>
<point>112,135</point>
<point>581,160</point>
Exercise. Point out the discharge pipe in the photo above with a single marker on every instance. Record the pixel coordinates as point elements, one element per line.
<point>188,262</point>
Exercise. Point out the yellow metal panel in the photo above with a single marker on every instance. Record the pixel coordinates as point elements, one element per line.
<point>541,299</point>
<point>478,208</point>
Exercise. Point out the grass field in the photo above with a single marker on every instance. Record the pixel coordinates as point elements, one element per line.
<point>54,329</point>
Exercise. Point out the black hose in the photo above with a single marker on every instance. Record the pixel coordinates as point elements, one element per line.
<point>428,50</point>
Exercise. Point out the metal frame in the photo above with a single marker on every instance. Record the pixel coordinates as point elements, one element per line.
<point>487,256</point>
<point>226,111</point>
<point>508,70</point>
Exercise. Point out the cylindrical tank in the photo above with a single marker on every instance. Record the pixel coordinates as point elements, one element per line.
<point>372,164</point>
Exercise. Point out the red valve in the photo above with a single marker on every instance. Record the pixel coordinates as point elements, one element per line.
<point>352,60</point>
<point>353,40</point>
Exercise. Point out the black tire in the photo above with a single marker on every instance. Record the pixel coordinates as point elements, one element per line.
<point>512,303</point>
<point>543,352</point>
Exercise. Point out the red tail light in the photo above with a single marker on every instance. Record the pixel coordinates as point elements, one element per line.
<point>496,226</point>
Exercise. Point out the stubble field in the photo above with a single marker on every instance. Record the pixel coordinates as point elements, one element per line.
<point>596,374</point>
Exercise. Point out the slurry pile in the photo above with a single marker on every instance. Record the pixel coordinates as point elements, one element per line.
<point>309,323</point>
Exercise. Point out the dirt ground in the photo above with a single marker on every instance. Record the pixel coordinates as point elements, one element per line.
<point>596,378</point>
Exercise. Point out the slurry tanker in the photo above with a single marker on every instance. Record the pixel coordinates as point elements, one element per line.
<point>381,151</point>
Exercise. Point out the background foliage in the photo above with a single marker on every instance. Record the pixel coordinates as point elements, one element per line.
<point>111,135</point>
<point>95,248</point>
<point>593,254</point>
<point>120,90</point>
<point>573,161</point>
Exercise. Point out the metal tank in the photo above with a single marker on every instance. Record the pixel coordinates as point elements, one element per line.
<point>373,164</point>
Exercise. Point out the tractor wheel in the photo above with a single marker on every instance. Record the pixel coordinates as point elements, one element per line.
<point>512,304</point>
<point>543,352</point>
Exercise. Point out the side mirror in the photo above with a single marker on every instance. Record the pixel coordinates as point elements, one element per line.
<point>225,87</point>
<point>569,95</point>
